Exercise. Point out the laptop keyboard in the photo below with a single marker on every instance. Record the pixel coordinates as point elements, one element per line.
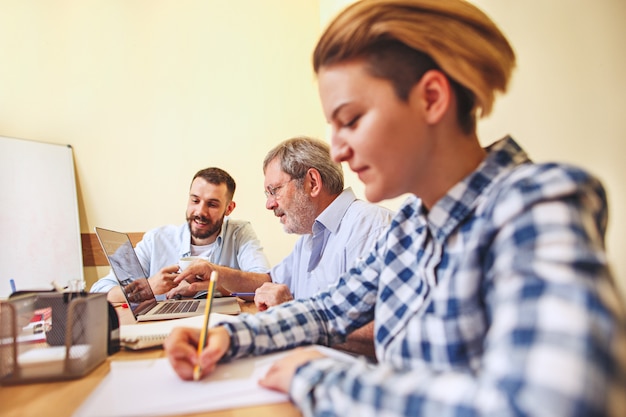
<point>178,307</point>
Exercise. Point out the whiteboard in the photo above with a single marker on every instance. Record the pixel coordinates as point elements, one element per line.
<point>39,222</point>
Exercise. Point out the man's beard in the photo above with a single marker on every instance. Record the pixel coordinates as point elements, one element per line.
<point>301,211</point>
<point>213,227</point>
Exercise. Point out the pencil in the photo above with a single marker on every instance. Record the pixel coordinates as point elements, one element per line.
<point>197,371</point>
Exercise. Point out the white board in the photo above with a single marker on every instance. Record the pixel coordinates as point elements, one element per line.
<point>39,221</point>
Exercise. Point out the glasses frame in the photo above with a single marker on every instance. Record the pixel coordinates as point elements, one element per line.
<point>273,191</point>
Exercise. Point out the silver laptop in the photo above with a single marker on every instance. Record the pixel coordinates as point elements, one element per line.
<point>136,289</point>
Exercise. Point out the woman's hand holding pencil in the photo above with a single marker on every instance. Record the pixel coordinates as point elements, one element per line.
<point>194,353</point>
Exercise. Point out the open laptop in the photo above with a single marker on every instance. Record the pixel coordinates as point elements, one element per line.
<point>136,289</point>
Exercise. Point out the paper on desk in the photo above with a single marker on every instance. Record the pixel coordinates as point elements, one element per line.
<point>152,388</point>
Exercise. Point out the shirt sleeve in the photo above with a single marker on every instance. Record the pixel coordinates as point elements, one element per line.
<point>250,254</point>
<point>105,283</point>
<point>556,335</point>
<point>283,272</point>
<point>309,321</point>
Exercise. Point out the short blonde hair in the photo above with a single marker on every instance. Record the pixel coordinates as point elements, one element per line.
<point>462,40</point>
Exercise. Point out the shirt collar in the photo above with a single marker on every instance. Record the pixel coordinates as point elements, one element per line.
<point>331,217</point>
<point>462,198</point>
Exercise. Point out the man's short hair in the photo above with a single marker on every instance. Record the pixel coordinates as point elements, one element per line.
<point>217,176</point>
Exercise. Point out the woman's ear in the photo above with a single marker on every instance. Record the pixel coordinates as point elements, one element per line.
<point>434,94</point>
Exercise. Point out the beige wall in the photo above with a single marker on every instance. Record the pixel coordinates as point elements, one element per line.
<point>148,92</point>
<point>567,102</point>
<point>568,97</point>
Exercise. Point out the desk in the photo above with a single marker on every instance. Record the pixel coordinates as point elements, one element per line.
<point>61,399</point>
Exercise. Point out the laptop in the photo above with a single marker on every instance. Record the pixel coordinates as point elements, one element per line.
<point>136,289</point>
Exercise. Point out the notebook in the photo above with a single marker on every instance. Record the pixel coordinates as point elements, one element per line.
<point>136,289</point>
<point>147,335</point>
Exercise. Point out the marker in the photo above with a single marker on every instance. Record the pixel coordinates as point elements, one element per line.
<point>242,294</point>
<point>12,282</point>
<point>197,371</point>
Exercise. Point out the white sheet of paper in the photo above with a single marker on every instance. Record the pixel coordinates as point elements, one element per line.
<point>152,388</point>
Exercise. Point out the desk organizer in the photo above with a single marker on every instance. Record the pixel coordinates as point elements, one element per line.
<point>52,336</point>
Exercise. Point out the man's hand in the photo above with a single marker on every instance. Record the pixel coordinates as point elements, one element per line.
<point>193,279</point>
<point>199,270</point>
<point>163,281</point>
<point>184,289</point>
<point>270,294</point>
<point>181,347</point>
<point>282,371</point>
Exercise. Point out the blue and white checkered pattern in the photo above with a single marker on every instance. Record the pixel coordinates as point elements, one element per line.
<point>498,301</point>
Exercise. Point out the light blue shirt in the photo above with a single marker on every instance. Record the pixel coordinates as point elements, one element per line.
<point>237,247</point>
<point>347,228</point>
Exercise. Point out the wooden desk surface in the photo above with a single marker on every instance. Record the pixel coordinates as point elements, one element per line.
<point>61,399</point>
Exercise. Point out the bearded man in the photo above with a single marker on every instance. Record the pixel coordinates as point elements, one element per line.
<point>209,233</point>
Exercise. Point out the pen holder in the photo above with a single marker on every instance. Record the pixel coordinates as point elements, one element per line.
<point>52,336</point>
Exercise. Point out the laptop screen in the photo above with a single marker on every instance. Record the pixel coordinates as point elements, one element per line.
<point>127,269</point>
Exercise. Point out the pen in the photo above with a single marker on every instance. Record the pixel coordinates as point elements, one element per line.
<point>205,328</point>
<point>242,294</point>
<point>12,282</point>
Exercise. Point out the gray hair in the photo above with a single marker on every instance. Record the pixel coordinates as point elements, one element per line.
<point>298,155</point>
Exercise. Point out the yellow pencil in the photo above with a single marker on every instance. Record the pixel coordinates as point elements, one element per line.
<point>197,371</point>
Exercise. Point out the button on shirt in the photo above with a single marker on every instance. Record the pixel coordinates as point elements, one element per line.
<point>498,301</point>
<point>345,230</point>
<point>237,247</point>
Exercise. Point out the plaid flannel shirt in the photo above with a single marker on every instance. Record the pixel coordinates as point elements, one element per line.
<point>498,301</point>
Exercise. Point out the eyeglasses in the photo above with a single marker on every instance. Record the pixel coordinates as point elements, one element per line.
<point>273,191</point>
